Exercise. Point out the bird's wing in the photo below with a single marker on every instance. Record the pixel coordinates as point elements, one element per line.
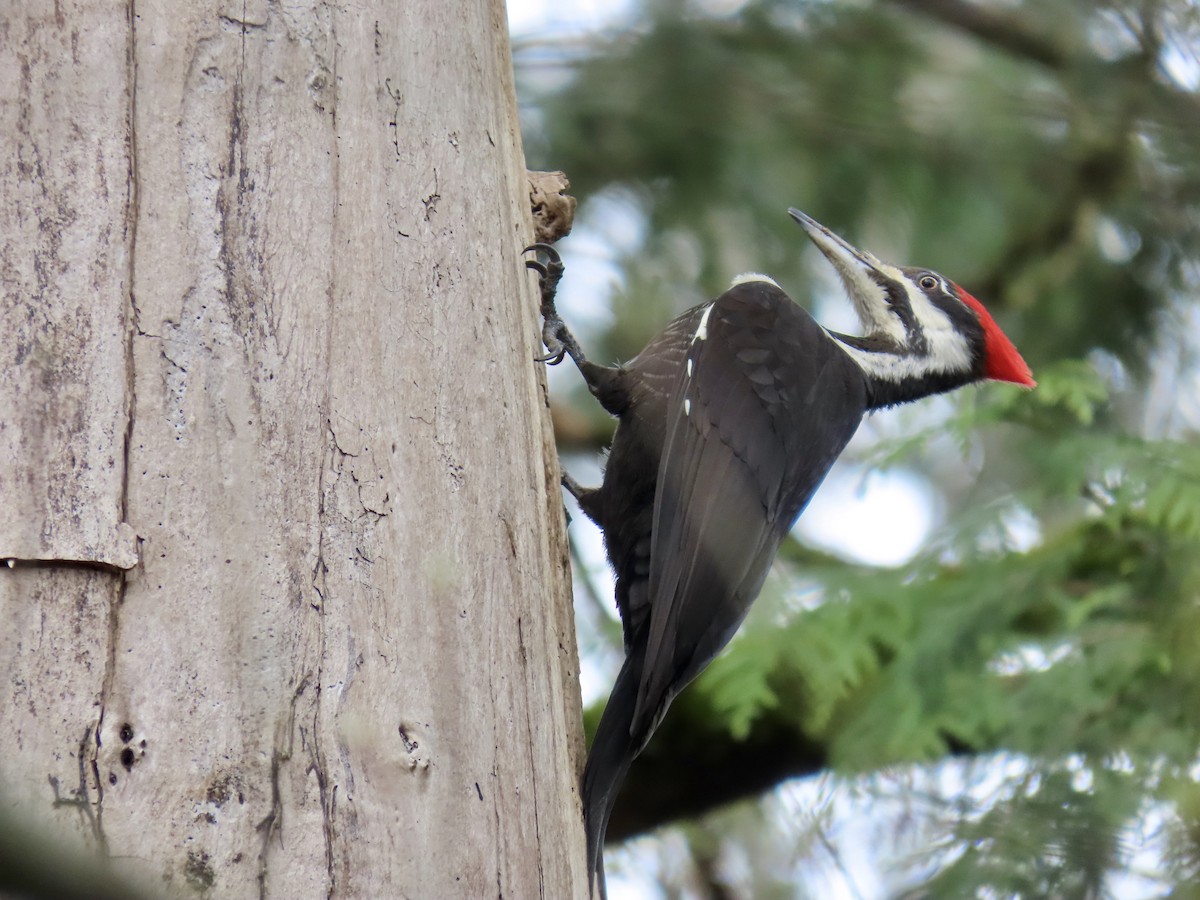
<point>761,408</point>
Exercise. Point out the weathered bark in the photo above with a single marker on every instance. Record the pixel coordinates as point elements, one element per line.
<point>267,311</point>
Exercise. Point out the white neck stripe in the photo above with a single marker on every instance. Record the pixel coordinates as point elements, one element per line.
<point>897,368</point>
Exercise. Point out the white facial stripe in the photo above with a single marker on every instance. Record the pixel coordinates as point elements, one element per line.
<point>928,316</point>
<point>948,349</point>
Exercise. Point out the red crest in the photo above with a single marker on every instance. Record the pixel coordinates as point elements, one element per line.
<point>1002,361</point>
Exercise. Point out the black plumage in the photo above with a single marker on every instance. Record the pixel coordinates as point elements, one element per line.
<point>723,461</point>
<point>729,420</point>
<point>720,482</point>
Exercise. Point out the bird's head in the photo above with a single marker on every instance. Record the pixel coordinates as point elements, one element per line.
<point>922,333</point>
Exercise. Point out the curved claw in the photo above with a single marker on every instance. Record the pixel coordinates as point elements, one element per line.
<point>544,248</point>
<point>551,359</point>
<point>537,267</point>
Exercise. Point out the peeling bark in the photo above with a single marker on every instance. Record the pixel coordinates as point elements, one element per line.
<point>553,208</point>
<point>64,393</point>
<point>271,318</point>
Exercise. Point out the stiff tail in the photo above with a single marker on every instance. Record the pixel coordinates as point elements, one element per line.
<point>613,749</point>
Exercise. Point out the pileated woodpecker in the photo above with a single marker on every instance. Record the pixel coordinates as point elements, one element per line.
<point>728,422</point>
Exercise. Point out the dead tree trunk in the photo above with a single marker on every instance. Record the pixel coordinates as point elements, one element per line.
<point>278,486</point>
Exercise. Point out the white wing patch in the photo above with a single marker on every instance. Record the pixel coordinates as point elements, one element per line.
<point>700,335</point>
<point>747,277</point>
<point>702,330</point>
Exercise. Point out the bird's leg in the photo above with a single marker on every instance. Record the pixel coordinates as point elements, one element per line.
<point>574,488</point>
<point>555,334</point>
<point>587,498</point>
<point>606,384</point>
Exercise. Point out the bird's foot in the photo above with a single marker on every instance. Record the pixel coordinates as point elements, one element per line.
<point>555,335</point>
<point>558,340</point>
<point>550,273</point>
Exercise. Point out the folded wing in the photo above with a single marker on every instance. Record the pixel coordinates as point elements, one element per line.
<point>762,407</point>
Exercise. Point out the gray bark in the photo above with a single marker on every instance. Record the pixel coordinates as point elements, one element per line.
<point>289,610</point>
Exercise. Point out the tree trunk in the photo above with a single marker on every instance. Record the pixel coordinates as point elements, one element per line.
<point>289,612</point>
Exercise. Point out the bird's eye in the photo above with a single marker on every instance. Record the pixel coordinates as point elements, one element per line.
<point>928,282</point>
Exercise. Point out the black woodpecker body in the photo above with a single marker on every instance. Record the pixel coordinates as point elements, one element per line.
<point>728,422</point>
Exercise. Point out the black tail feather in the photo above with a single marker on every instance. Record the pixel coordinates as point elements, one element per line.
<point>613,750</point>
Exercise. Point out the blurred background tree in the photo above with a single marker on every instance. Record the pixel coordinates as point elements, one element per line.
<point>991,688</point>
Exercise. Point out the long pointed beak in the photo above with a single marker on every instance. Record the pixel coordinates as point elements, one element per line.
<point>863,274</point>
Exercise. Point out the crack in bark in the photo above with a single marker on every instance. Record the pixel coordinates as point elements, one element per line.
<point>495,794</point>
<point>82,799</point>
<point>318,763</point>
<point>242,24</point>
<point>334,439</point>
<point>116,601</point>
<point>499,875</point>
<point>272,823</point>
<point>163,353</point>
<point>317,766</point>
<point>529,730</point>
<point>320,568</point>
<point>14,562</point>
<point>93,736</point>
<point>398,98</point>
